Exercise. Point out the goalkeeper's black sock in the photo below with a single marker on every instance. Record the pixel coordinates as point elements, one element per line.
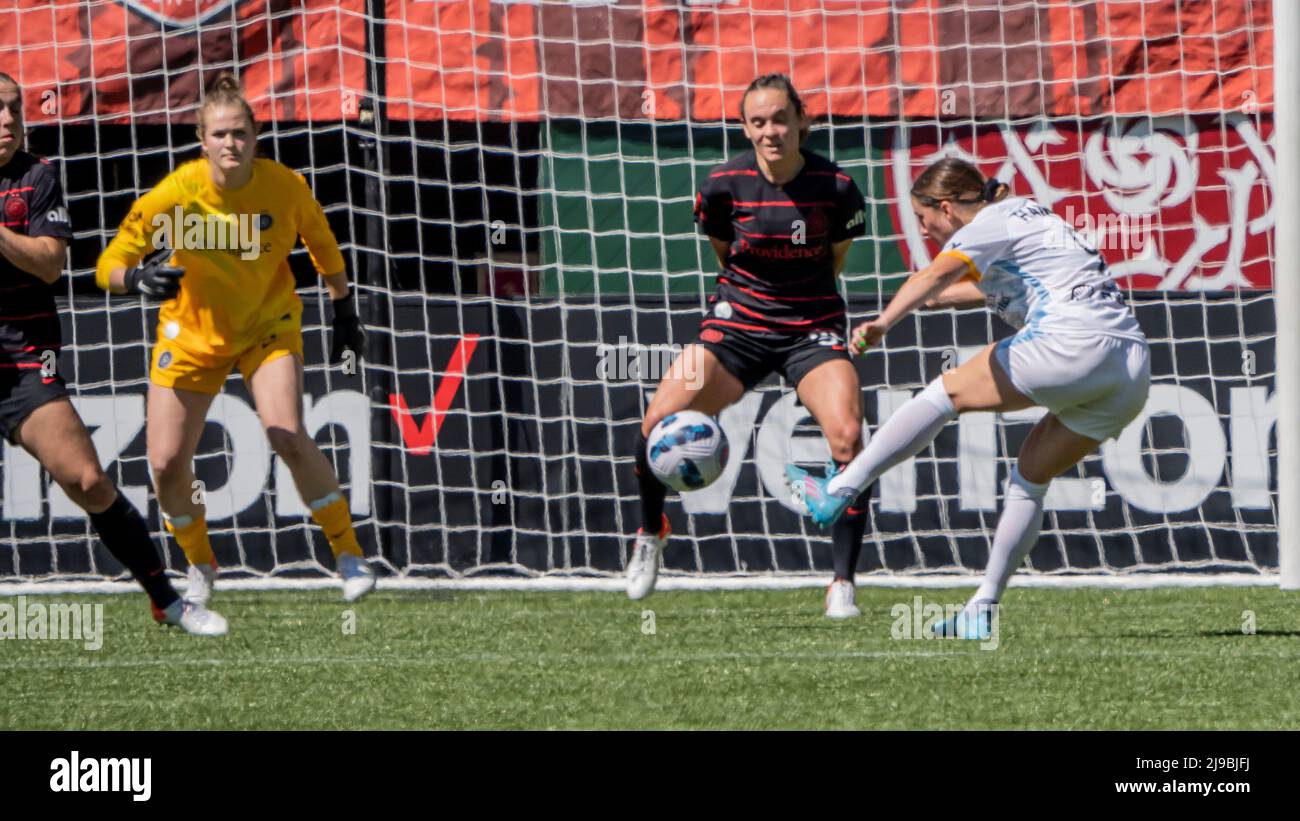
<point>126,536</point>
<point>652,490</point>
<point>847,533</point>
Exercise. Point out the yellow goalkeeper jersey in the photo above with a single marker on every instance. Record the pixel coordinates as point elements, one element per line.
<point>234,246</point>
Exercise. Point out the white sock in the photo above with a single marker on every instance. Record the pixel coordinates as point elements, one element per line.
<point>1018,527</point>
<point>904,434</point>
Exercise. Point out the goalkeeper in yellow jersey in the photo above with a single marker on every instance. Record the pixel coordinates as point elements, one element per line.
<point>231,220</point>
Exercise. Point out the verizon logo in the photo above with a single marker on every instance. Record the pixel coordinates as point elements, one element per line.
<point>419,438</point>
<point>77,774</point>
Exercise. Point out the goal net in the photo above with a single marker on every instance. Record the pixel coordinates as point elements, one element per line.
<point>512,183</point>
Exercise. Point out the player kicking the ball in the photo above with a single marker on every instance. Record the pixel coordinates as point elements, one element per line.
<point>781,220</point>
<point>35,412</point>
<point>1079,352</point>
<point>228,304</point>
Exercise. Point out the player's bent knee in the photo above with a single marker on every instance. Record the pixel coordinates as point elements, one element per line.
<point>170,469</point>
<point>845,441</point>
<point>290,445</point>
<point>89,487</point>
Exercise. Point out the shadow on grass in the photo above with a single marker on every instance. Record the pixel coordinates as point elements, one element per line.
<point>1204,634</point>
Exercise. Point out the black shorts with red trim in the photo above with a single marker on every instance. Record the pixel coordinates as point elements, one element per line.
<point>23,390</point>
<point>750,351</point>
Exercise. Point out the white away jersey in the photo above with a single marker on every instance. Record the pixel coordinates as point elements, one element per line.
<point>1038,274</point>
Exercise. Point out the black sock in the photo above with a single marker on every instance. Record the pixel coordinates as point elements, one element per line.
<point>652,490</point>
<point>126,536</point>
<point>847,533</point>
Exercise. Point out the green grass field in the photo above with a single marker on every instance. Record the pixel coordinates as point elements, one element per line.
<point>1076,659</point>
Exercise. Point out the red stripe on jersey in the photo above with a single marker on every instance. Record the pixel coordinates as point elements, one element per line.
<point>762,281</point>
<point>27,365</point>
<point>30,348</point>
<point>734,173</point>
<point>16,191</point>
<point>15,222</point>
<point>837,175</point>
<point>754,293</point>
<point>740,325</point>
<point>789,203</point>
<point>29,316</point>
<point>780,236</point>
<point>757,315</point>
<point>745,219</point>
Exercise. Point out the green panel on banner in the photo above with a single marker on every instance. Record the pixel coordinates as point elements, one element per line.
<point>616,212</point>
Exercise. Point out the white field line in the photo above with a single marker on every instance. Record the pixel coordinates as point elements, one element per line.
<point>671,582</point>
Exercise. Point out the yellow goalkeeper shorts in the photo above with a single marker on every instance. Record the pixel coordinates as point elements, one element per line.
<point>175,367</point>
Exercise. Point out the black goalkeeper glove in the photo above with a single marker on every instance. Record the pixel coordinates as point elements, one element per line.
<point>155,278</point>
<point>348,332</point>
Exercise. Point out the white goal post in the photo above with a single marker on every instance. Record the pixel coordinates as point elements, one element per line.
<point>1286,286</point>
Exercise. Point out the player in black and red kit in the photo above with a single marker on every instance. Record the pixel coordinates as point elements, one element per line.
<point>35,412</point>
<point>781,220</point>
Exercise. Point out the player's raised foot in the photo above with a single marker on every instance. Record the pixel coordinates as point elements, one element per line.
<point>809,494</point>
<point>973,623</point>
<point>200,579</point>
<point>841,600</point>
<point>358,577</point>
<point>192,617</point>
<point>643,564</point>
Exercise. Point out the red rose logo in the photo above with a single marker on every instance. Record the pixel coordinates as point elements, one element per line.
<point>15,209</point>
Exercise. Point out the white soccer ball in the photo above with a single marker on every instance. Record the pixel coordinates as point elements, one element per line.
<point>687,450</point>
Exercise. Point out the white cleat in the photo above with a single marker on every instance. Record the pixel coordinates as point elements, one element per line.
<point>192,617</point>
<point>358,577</point>
<point>643,564</point>
<point>841,600</point>
<point>200,580</point>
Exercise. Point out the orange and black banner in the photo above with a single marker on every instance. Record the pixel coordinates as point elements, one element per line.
<point>642,59</point>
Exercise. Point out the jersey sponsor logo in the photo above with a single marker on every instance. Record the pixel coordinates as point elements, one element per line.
<point>15,209</point>
<point>858,218</point>
<point>792,252</point>
<point>59,214</point>
<point>164,360</point>
<point>711,335</point>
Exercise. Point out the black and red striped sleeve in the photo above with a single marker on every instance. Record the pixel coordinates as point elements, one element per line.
<point>713,209</point>
<point>47,212</point>
<point>850,220</point>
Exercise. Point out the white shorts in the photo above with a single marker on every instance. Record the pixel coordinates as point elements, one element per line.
<point>1096,385</point>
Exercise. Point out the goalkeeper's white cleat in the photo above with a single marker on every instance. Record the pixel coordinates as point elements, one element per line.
<point>643,564</point>
<point>200,579</point>
<point>192,617</point>
<point>841,600</point>
<point>358,577</point>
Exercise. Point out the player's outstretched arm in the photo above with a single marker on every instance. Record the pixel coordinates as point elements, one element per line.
<point>964,294</point>
<point>946,271</point>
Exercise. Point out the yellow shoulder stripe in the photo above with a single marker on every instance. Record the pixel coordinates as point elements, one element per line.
<point>971,271</point>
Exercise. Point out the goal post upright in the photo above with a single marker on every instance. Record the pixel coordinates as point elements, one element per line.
<point>1286,285</point>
